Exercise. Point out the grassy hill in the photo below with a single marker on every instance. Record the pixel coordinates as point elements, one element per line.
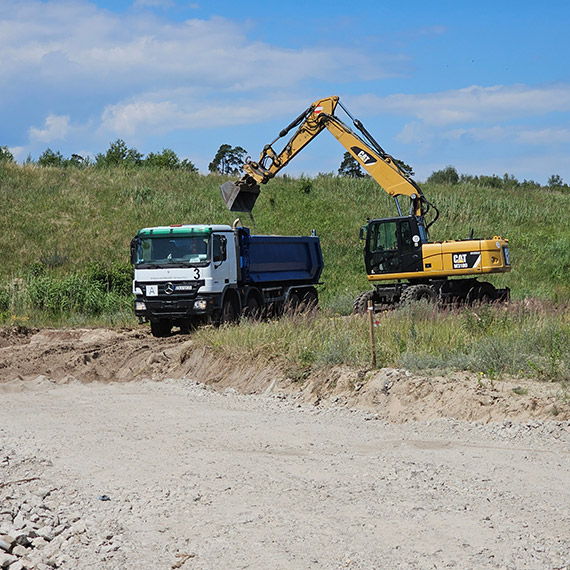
<point>65,235</point>
<point>64,220</point>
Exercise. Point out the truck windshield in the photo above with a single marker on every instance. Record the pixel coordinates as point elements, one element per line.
<point>170,250</point>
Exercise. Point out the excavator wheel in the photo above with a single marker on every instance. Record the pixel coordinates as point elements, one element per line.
<point>360,305</point>
<point>482,293</point>
<point>420,292</point>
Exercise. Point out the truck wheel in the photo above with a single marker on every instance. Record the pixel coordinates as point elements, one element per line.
<point>360,305</point>
<point>252,309</point>
<point>160,328</point>
<point>415,293</point>
<point>228,314</point>
<point>293,303</point>
<point>310,300</point>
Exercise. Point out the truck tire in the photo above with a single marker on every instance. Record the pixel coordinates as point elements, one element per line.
<point>310,300</point>
<point>253,309</point>
<point>415,293</point>
<point>160,328</point>
<point>229,313</point>
<point>293,303</point>
<point>360,305</point>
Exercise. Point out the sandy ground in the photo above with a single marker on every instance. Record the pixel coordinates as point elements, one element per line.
<point>122,451</point>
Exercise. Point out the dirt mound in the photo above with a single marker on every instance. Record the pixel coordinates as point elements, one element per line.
<point>33,359</point>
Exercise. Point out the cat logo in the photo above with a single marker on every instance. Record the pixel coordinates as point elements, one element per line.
<point>363,156</point>
<point>466,260</point>
<point>459,260</point>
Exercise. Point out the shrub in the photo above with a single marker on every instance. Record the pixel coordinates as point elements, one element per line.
<point>448,175</point>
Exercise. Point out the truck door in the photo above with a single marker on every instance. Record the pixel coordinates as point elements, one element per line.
<point>223,262</point>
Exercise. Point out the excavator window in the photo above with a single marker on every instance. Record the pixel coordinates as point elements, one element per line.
<point>383,255</point>
<point>406,236</point>
<point>383,236</point>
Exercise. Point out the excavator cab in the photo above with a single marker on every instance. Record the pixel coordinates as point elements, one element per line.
<point>394,245</point>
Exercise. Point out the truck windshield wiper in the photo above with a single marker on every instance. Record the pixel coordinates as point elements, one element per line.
<point>150,265</point>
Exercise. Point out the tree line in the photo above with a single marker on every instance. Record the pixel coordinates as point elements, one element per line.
<point>351,167</point>
<point>118,154</point>
<point>228,161</point>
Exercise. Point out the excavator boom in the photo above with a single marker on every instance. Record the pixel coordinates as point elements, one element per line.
<point>242,194</point>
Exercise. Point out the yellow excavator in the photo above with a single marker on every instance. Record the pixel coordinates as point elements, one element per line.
<point>401,263</point>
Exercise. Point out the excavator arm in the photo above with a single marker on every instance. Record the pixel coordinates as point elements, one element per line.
<point>242,194</point>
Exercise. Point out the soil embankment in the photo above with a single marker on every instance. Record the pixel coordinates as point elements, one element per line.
<point>87,355</point>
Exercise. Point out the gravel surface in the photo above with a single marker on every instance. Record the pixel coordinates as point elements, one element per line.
<point>172,474</point>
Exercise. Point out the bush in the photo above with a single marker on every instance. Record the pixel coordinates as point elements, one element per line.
<point>116,278</point>
<point>446,176</point>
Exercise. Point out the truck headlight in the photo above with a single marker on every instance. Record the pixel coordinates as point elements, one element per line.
<point>200,305</point>
<point>140,306</point>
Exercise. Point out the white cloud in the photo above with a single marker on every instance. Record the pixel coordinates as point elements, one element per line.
<point>81,44</point>
<point>415,132</point>
<point>188,109</point>
<point>547,136</point>
<point>55,128</point>
<point>19,152</point>
<point>473,104</point>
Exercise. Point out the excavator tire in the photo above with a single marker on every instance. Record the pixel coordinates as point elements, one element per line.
<point>360,305</point>
<point>482,293</point>
<point>415,293</point>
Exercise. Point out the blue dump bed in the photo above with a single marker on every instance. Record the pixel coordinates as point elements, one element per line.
<point>279,259</point>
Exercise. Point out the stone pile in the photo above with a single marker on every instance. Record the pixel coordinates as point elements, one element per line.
<point>31,533</point>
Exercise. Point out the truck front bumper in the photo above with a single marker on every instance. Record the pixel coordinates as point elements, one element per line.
<point>180,308</point>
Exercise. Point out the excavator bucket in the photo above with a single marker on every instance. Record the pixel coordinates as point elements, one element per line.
<point>240,196</point>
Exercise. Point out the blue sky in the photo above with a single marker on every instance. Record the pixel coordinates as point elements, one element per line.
<point>483,86</point>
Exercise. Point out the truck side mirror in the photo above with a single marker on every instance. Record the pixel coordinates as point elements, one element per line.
<point>134,245</point>
<point>362,234</point>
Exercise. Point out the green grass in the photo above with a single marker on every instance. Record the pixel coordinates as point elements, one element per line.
<point>67,218</point>
<point>65,236</point>
<point>522,339</point>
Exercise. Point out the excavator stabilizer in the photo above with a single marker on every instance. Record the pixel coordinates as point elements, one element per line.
<point>240,196</point>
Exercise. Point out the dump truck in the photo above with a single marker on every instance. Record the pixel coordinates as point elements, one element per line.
<point>187,275</point>
<point>401,263</point>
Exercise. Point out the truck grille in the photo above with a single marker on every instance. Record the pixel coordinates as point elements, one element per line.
<point>170,289</point>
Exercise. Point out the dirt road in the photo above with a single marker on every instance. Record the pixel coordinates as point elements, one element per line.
<point>169,472</point>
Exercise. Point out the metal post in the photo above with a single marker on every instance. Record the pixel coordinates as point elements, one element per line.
<point>372,341</point>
